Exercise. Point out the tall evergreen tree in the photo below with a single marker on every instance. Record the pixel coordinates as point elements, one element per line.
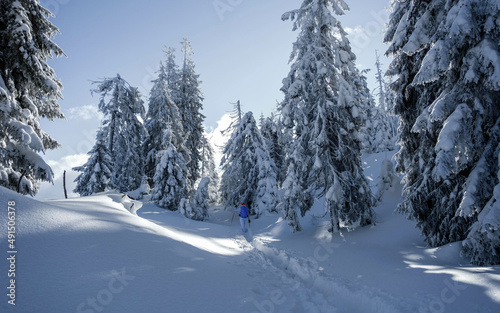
<point>162,114</point>
<point>209,169</point>
<point>249,174</point>
<point>381,83</point>
<point>324,104</point>
<point>378,132</point>
<point>390,101</point>
<point>29,91</point>
<point>190,104</point>
<point>446,62</point>
<point>482,244</point>
<point>271,131</point>
<point>121,105</point>
<point>197,208</point>
<point>170,176</point>
<point>386,105</point>
<point>97,171</point>
<point>294,199</point>
<point>172,73</point>
<point>235,115</point>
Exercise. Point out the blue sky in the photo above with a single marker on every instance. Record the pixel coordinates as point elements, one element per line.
<point>241,51</point>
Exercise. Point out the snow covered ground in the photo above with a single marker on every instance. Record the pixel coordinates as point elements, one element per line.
<point>92,254</point>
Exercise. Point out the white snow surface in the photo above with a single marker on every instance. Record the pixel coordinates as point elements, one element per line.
<point>91,254</point>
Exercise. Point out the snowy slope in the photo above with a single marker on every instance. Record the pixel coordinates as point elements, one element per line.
<point>92,255</point>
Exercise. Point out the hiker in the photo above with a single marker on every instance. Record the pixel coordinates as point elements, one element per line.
<point>244,217</point>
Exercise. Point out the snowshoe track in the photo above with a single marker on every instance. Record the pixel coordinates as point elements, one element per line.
<point>312,289</point>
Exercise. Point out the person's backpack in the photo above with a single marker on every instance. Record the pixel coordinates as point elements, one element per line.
<point>245,211</point>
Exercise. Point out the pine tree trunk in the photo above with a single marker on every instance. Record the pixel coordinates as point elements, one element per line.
<point>335,227</point>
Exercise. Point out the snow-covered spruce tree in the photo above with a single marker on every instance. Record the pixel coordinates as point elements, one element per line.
<point>197,208</point>
<point>294,199</point>
<point>96,172</point>
<point>249,174</point>
<point>172,74</point>
<point>377,131</point>
<point>209,169</point>
<point>448,85</point>
<point>121,105</point>
<point>393,120</point>
<point>483,241</point>
<point>386,103</point>
<point>271,131</point>
<point>381,83</point>
<point>170,185</point>
<point>190,104</point>
<point>235,115</point>
<point>162,114</point>
<point>29,91</point>
<point>324,104</point>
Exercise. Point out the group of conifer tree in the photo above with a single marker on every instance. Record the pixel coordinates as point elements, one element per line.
<point>162,151</point>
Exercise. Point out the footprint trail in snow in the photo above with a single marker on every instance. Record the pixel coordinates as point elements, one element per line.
<point>295,284</point>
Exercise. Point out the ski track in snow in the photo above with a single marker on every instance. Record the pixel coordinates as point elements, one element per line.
<point>312,289</point>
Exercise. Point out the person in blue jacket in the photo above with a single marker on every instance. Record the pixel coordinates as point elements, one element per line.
<point>244,217</point>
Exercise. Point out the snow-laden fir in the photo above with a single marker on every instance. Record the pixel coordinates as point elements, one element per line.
<point>123,132</point>
<point>170,185</point>
<point>29,91</point>
<point>163,114</point>
<point>189,100</point>
<point>209,170</point>
<point>272,131</point>
<point>97,171</point>
<point>325,100</point>
<point>197,209</point>
<point>249,173</point>
<point>447,65</point>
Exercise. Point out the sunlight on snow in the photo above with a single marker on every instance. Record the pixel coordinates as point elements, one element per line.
<point>466,275</point>
<point>222,246</point>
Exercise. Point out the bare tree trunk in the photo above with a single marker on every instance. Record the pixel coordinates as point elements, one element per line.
<point>334,219</point>
<point>19,182</point>
<point>64,185</point>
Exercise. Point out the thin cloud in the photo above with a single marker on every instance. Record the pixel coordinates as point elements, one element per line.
<point>86,112</point>
<point>357,30</point>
